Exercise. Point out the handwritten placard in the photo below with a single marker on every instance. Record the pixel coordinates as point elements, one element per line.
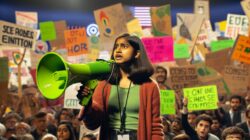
<point>59,42</point>
<point>76,41</point>
<point>181,51</point>
<point>27,19</point>
<point>237,79</point>
<point>202,7</point>
<point>48,31</point>
<point>245,4</point>
<point>221,44</point>
<point>159,49</point>
<point>236,24</point>
<point>242,49</point>
<point>185,76</point>
<point>17,36</point>
<point>201,98</point>
<point>70,99</point>
<point>167,100</point>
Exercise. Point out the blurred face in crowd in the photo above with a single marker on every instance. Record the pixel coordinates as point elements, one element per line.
<point>191,119</point>
<point>234,137</point>
<point>22,128</point>
<point>235,103</point>
<point>11,122</point>
<point>215,125</point>
<point>161,75</point>
<point>202,129</point>
<point>63,132</point>
<point>65,116</point>
<point>176,126</point>
<point>41,124</point>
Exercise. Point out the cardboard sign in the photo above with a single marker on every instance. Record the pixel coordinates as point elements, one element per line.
<point>202,98</point>
<point>221,44</point>
<point>236,79</point>
<point>134,28</point>
<point>4,69</point>
<point>236,24</point>
<point>209,76</point>
<point>111,22</point>
<point>184,76</point>
<point>220,27</point>
<point>76,41</point>
<point>206,33</point>
<point>159,49</point>
<point>217,60</point>
<point>161,20</point>
<point>188,28</point>
<point>70,99</point>
<point>27,19</point>
<point>181,51</point>
<point>167,100</point>
<point>245,4</point>
<point>202,7</point>
<point>17,36</point>
<point>200,52</point>
<point>241,49</point>
<point>48,31</point>
<point>59,42</point>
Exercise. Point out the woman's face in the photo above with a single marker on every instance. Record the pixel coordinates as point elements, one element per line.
<point>63,132</point>
<point>123,51</point>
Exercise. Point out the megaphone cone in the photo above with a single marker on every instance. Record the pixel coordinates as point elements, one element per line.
<point>54,75</point>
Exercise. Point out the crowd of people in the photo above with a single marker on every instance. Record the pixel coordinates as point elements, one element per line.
<point>127,103</point>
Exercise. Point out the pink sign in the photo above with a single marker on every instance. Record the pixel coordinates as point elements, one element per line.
<point>159,49</point>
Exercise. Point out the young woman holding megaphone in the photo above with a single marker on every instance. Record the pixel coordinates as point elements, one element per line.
<point>127,104</point>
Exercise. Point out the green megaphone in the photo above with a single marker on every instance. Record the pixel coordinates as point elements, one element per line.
<point>54,75</point>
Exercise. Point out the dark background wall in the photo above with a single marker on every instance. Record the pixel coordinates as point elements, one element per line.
<point>80,12</point>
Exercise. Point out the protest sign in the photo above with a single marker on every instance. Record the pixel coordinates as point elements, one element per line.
<point>236,24</point>
<point>202,7</point>
<point>159,49</point>
<point>181,51</point>
<point>221,44</point>
<point>134,28</point>
<point>201,98</point>
<point>70,99</point>
<point>27,19</point>
<point>161,20</point>
<point>167,100</point>
<point>241,49</point>
<point>236,79</point>
<point>76,41</point>
<point>245,4</point>
<point>48,31</point>
<point>206,33</point>
<point>217,60</point>
<point>4,69</point>
<point>184,76</point>
<point>200,52</point>
<point>59,42</point>
<point>111,22</point>
<point>17,36</point>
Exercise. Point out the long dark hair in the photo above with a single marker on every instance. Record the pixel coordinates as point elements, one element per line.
<point>139,69</point>
<point>70,128</point>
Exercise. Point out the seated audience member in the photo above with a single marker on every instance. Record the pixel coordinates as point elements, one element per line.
<point>202,125</point>
<point>245,126</point>
<point>233,133</point>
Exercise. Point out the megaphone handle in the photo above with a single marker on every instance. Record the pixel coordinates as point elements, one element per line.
<point>84,100</point>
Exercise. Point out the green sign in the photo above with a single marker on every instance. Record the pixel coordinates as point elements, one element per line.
<point>48,31</point>
<point>181,51</point>
<point>167,102</point>
<point>201,98</point>
<point>221,44</point>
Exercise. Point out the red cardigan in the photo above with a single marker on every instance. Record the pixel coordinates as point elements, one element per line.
<point>150,125</point>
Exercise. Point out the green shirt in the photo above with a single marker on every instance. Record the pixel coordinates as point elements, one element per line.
<point>132,109</point>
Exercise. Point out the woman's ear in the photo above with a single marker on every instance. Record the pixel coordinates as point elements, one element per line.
<point>137,54</point>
